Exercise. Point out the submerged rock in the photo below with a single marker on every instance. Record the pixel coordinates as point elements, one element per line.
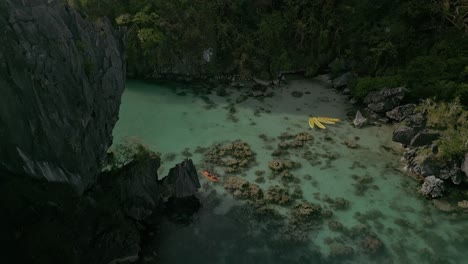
<point>243,189</point>
<point>276,195</point>
<point>62,76</point>
<point>371,244</point>
<point>306,212</point>
<point>233,157</point>
<point>432,187</point>
<point>340,250</point>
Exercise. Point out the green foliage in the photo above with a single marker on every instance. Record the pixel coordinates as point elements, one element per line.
<point>454,144</point>
<point>365,85</point>
<point>452,122</point>
<point>387,42</point>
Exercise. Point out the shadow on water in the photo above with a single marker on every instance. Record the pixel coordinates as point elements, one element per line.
<point>243,234</point>
<point>312,93</point>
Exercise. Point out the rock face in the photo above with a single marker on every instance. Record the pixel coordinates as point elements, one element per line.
<point>61,78</point>
<point>385,100</point>
<point>432,187</point>
<point>182,180</point>
<point>136,186</point>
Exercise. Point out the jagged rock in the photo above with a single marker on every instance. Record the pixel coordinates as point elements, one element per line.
<point>417,121</point>
<point>401,112</point>
<point>182,180</point>
<point>359,121</point>
<point>424,138</point>
<point>451,172</point>
<point>385,100</point>
<point>426,166</point>
<point>403,135</point>
<point>62,76</point>
<point>464,165</point>
<point>342,80</point>
<point>432,187</point>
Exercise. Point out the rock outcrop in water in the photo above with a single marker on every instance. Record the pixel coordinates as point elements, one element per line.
<point>182,180</point>
<point>61,78</point>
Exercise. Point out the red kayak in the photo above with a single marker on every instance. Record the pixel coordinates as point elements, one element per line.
<point>210,176</point>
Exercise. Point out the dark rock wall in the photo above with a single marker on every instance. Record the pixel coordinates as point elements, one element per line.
<point>61,79</point>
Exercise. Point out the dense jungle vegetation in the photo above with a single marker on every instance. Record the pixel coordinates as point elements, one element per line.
<point>422,44</point>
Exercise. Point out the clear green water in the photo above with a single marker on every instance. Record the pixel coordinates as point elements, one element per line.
<point>172,119</point>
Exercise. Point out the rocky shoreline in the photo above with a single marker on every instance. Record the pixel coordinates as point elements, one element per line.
<point>420,157</point>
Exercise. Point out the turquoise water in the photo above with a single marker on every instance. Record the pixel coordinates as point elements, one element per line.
<point>175,120</point>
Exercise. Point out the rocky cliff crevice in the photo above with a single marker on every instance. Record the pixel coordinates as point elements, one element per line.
<point>61,79</point>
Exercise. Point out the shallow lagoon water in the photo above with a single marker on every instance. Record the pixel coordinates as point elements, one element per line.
<point>176,119</point>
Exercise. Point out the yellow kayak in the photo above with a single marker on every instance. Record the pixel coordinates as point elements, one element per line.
<point>311,123</point>
<point>317,121</point>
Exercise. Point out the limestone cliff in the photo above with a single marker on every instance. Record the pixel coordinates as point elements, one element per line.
<point>61,79</point>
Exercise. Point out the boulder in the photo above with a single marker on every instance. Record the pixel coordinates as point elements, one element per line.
<point>432,187</point>
<point>342,80</point>
<point>401,112</point>
<point>385,100</point>
<point>424,138</point>
<point>417,121</point>
<point>403,135</point>
<point>359,120</point>
<point>182,180</point>
<point>452,172</point>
